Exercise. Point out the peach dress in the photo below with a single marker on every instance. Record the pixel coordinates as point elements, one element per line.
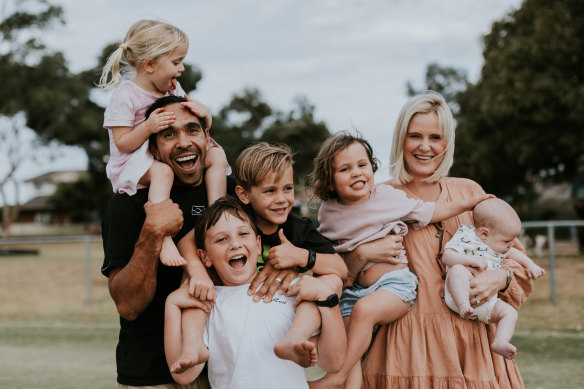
<point>432,347</point>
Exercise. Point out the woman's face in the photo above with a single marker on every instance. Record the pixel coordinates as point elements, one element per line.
<point>424,145</point>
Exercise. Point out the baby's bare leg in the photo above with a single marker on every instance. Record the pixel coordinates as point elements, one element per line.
<point>160,178</point>
<point>193,349</point>
<point>458,284</point>
<point>506,317</point>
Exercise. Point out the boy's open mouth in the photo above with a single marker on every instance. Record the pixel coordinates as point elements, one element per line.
<point>238,262</point>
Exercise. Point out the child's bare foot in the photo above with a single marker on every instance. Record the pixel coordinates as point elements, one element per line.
<point>190,359</point>
<point>169,254</point>
<point>465,310</point>
<point>297,350</point>
<point>328,381</point>
<point>504,349</point>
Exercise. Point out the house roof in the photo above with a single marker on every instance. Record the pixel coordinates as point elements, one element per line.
<point>39,203</point>
<point>51,176</point>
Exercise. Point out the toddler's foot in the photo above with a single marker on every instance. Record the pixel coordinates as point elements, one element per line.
<point>190,359</point>
<point>298,350</point>
<point>335,381</point>
<point>465,310</point>
<point>169,254</point>
<point>504,349</point>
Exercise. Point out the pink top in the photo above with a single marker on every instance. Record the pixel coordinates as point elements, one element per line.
<point>126,108</point>
<point>385,212</point>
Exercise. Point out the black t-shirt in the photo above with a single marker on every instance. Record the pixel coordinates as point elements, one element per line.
<point>301,232</point>
<point>140,352</point>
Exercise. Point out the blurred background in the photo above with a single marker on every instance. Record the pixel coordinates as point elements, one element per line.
<point>512,72</point>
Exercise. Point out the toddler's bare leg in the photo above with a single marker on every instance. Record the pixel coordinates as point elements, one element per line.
<point>193,349</point>
<point>380,307</point>
<point>160,177</point>
<point>296,346</point>
<point>458,284</point>
<point>215,166</point>
<point>506,317</point>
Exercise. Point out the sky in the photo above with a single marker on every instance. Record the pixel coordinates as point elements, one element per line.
<point>351,59</point>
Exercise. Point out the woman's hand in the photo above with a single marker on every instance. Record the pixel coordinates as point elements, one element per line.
<point>485,285</point>
<point>273,279</point>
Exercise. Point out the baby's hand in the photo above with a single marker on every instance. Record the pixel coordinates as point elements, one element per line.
<point>159,120</point>
<point>479,263</point>
<point>534,271</point>
<point>199,110</point>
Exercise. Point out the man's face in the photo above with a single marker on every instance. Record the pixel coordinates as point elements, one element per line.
<point>183,146</point>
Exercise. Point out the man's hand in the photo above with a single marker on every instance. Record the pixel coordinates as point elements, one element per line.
<point>165,217</point>
<point>159,120</point>
<point>199,110</point>
<point>286,255</point>
<point>273,279</point>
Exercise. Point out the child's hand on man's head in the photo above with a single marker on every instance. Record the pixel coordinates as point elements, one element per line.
<point>199,110</point>
<point>159,120</point>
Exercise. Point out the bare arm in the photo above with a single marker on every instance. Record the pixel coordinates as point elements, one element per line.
<point>128,139</point>
<point>176,302</point>
<point>452,257</point>
<point>132,287</point>
<point>200,284</point>
<point>533,270</point>
<point>444,211</point>
<point>386,250</point>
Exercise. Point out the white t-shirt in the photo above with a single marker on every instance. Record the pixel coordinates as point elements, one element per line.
<point>241,335</point>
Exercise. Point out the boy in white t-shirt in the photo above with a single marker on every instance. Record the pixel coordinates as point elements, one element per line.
<point>240,333</point>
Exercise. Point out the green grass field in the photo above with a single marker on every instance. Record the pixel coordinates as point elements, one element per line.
<point>51,338</point>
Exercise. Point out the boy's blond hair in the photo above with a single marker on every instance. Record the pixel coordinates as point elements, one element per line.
<point>257,161</point>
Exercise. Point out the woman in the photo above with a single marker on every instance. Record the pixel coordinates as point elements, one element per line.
<point>431,346</point>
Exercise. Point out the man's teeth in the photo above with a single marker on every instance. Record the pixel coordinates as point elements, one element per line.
<point>184,159</point>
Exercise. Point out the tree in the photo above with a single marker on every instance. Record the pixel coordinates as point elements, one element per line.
<point>298,130</point>
<point>523,120</point>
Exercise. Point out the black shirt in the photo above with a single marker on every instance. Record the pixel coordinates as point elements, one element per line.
<point>140,352</point>
<point>301,232</point>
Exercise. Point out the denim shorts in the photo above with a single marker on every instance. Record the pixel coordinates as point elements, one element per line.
<point>402,283</point>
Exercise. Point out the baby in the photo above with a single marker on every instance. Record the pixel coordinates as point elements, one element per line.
<point>483,247</point>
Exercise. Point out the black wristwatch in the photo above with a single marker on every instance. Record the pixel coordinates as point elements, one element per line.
<point>309,263</point>
<point>331,301</point>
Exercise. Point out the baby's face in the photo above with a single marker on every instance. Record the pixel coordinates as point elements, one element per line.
<point>500,238</point>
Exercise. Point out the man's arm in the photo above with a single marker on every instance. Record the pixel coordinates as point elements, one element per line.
<point>132,287</point>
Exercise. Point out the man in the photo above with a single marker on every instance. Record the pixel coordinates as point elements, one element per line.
<point>132,231</point>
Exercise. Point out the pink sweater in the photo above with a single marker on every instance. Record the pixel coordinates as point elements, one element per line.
<point>386,212</point>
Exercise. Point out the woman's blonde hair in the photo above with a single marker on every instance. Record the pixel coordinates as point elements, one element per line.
<point>258,161</point>
<point>146,39</point>
<point>427,102</point>
<point>322,177</point>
